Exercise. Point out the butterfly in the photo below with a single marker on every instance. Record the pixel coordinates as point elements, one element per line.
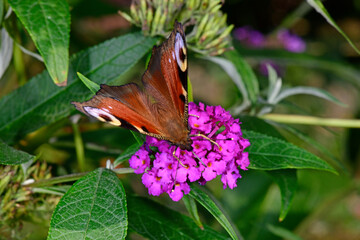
<point>160,108</point>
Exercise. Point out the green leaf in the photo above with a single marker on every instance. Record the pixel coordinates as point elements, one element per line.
<point>48,23</point>
<point>11,156</point>
<point>318,92</point>
<point>235,76</point>
<point>338,68</point>
<point>46,103</point>
<point>215,209</point>
<point>259,125</point>
<point>92,86</point>
<point>269,153</point>
<point>275,84</point>
<point>6,50</point>
<point>246,73</point>
<point>319,7</point>
<point>191,207</point>
<point>283,233</point>
<point>54,190</point>
<point>2,11</point>
<point>316,145</point>
<point>287,181</point>
<point>140,138</point>
<point>154,221</point>
<point>93,208</point>
<point>190,91</point>
<point>127,154</point>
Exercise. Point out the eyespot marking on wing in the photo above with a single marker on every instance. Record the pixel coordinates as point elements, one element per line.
<point>105,117</point>
<point>102,115</point>
<point>182,98</point>
<point>144,129</point>
<point>180,52</point>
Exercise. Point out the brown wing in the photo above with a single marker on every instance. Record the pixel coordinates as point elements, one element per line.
<point>166,77</point>
<point>159,111</point>
<point>126,106</point>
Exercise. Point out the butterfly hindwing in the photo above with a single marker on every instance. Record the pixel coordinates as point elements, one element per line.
<point>124,106</point>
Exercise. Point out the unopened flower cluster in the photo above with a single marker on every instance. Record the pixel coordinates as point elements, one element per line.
<point>210,33</point>
<point>224,155</point>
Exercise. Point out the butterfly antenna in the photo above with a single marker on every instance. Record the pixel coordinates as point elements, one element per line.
<point>198,158</point>
<point>173,189</point>
<point>206,137</point>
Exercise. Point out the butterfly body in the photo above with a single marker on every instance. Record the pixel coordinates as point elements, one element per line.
<point>160,109</point>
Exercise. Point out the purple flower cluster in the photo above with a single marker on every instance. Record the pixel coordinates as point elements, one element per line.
<point>222,155</point>
<point>250,37</point>
<point>253,38</point>
<point>290,41</point>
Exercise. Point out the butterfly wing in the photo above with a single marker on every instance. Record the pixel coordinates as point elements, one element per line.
<point>161,109</point>
<point>166,76</point>
<point>124,106</point>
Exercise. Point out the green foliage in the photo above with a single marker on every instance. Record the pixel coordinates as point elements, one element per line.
<point>48,23</point>
<point>269,153</point>
<point>154,221</point>
<point>47,103</point>
<point>319,7</point>
<point>216,210</point>
<point>94,207</point>
<point>11,156</point>
<point>93,87</point>
<point>285,162</point>
<point>287,182</point>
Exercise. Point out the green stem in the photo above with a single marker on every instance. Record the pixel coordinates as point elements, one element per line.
<point>294,16</point>
<point>123,170</point>
<point>18,59</point>
<point>71,178</point>
<point>56,180</point>
<point>307,120</point>
<point>79,147</point>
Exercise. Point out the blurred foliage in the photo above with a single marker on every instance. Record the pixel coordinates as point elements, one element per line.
<point>21,205</point>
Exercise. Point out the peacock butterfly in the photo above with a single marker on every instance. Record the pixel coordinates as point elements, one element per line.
<point>160,108</point>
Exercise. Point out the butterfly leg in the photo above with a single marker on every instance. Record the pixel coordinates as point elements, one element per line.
<point>178,159</point>
<point>199,158</point>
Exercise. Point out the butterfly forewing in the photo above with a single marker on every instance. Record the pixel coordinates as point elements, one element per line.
<point>166,76</point>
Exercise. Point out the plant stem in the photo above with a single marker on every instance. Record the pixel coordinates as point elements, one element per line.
<point>308,120</point>
<point>18,59</point>
<point>71,178</point>
<point>79,147</point>
<point>56,180</point>
<point>294,16</point>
